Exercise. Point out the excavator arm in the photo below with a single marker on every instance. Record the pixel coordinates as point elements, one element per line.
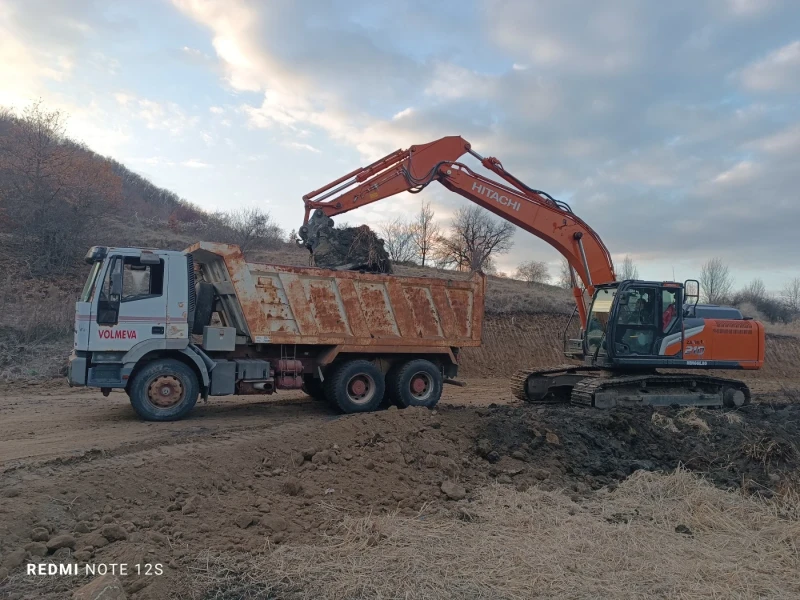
<point>532,210</point>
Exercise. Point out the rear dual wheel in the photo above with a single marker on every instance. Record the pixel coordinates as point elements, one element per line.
<point>417,382</point>
<point>355,386</point>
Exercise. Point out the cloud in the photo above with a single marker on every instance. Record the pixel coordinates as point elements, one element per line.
<point>166,116</point>
<point>784,142</point>
<point>778,71</point>
<point>299,146</point>
<point>662,124</point>
<point>628,111</point>
<point>748,8</point>
<point>25,69</point>
<point>195,164</point>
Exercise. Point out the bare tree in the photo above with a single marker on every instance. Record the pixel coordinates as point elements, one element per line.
<point>755,291</point>
<point>791,295</point>
<point>54,191</point>
<point>533,271</point>
<point>425,232</point>
<point>398,238</point>
<point>251,228</point>
<point>628,269</point>
<point>564,276</point>
<point>716,281</point>
<point>475,237</point>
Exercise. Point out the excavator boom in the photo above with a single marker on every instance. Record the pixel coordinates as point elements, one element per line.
<point>534,211</point>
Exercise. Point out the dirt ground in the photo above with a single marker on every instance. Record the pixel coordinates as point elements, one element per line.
<point>253,475</point>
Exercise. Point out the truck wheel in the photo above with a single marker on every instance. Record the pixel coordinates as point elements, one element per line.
<point>415,383</point>
<point>314,388</point>
<point>164,390</point>
<point>355,386</point>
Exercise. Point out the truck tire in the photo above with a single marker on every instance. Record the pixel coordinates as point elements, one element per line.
<point>314,388</point>
<point>164,390</point>
<point>355,386</point>
<point>204,307</point>
<point>417,382</point>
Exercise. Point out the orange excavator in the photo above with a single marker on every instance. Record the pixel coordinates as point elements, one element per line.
<point>628,329</point>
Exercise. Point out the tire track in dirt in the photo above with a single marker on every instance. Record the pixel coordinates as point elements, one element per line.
<point>52,429</point>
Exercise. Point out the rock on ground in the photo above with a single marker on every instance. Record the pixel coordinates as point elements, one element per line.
<point>13,559</point>
<point>64,540</point>
<point>453,491</point>
<point>113,533</point>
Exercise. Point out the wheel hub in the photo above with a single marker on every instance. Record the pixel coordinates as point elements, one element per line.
<point>360,389</point>
<point>421,385</point>
<point>165,391</point>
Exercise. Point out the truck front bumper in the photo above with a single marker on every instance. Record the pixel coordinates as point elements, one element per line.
<point>76,372</point>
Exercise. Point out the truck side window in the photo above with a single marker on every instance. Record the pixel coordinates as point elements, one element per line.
<point>141,281</point>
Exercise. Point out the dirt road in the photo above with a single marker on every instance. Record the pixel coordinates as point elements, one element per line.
<point>247,474</point>
<point>40,422</point>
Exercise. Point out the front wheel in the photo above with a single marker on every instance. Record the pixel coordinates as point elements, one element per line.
<point>164,390</point>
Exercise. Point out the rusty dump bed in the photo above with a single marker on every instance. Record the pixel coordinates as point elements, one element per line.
<point>305,305</point>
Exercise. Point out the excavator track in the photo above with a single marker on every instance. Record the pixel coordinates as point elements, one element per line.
<point>660,390</point>
<point>589,386</point>
<point>520,378</point>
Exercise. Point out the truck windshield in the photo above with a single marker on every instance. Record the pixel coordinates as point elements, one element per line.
<point>88,289</point>
<point>598,318</point>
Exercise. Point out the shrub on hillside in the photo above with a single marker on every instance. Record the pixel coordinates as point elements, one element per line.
<point>53,192</point>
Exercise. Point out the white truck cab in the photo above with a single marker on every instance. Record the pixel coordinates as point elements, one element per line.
<point>136,302</point>
<point>132,296</point>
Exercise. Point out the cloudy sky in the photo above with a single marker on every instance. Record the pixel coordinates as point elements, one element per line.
<point>673,128</point>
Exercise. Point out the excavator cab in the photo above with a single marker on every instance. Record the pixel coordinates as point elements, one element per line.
<point>631,323</point>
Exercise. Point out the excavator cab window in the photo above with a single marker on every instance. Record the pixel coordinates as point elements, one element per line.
<point>597,322</point>
<point>670,306</point>
<point>636,327</point>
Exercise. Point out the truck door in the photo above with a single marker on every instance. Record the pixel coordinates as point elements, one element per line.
<point>131,305</point>
<point>83,309</point>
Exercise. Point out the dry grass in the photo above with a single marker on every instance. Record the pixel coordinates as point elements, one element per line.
<point>690,417</point>
<point>509,544</point>
<point>36,324</point>
<point>766,450</point>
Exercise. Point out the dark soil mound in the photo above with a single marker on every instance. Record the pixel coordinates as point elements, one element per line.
<point>753,448</point>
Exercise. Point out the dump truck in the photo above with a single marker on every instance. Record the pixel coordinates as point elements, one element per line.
<point>168,327</point>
